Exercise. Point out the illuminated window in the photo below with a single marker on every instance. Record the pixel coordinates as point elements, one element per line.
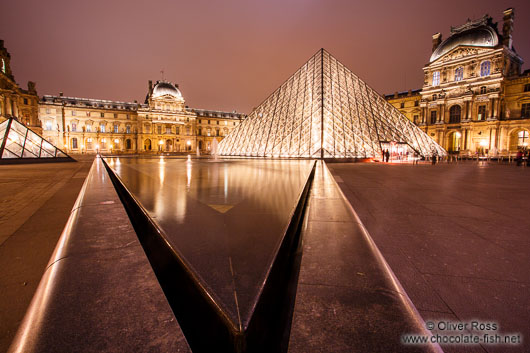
<point>485,68</point>
<point>116,128</point>
<point>454,114</point>
<point>436,78</point>
<point>89,128</point>
<point>74,127</point>
<point>481,112</point>
<point>128,129</point>
<point>433,116</point>
<point>522,138</point>
<point>168,130</point>
<point>87,113</point>
<point>49,125</point>
<point>103,144</point>
<point>459,74</point>
<point>525,110</point>
<point>102,127</point>
<point>208,132</point>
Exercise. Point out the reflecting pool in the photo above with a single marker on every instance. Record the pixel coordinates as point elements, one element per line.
<point>226,218</point>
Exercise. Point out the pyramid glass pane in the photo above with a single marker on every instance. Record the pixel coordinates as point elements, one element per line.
<point>17,141</point>
<point>325,111</point>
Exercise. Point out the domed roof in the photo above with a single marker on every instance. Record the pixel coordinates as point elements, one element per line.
<point>163,88</point>
<point>482,36</point>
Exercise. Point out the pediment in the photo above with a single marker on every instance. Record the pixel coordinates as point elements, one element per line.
<point>463,51</point>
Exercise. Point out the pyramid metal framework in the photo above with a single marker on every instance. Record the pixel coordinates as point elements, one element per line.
<point>19,142</point>
<point>325,111</point>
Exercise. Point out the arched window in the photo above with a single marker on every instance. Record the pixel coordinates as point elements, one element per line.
<point>128,144</point>
<point>436,78</point>
<point>459,74</point>
<point>454,114</point>
<point>485,68</point>
<point>483,90</point>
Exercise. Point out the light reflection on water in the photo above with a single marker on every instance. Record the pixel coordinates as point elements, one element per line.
<point>217,211</point>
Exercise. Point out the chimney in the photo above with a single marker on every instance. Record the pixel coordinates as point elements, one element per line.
<point>150,87</point>
<point>436,41</point>
<point>507,28</point>
<point>60,94</point>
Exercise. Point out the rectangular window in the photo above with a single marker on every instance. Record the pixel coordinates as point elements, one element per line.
<point>74,143</point>
<point>527,87</point>
<point>48,111</point>
<point>199,132</point>
<point>102,127</point>
<point>115,115</point>
<point>217,122</point>
<point>436,78</point>
<point>89,128</point>
<point>402,105</point>
<point>74,127</point>
<point>73,112</point>
<point>459,74</point>
<point>87,113</point>
<point>481,112</point>
<point>159,129</point>
<point>25,101</point>
<point>416,117</point>
<point>433,116</point>
<point>416,103</point>
<point>116,128</point>
<point>177,130</point>
<point>168,130</point>
<point>102,115</point>
<point>128,129</point>
<point>485,68</point>
<point>48,125</point>
<point>525,110</point>
<point>208,122</point>
<point>216,132</point>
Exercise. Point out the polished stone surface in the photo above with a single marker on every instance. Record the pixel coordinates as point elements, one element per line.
<point>347,299</point>
<point>226,218</point>
<point>456,235</point>
<point>35,203</point>
<point>99,293</point>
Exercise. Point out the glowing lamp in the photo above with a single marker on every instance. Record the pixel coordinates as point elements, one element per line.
<point>483,143</point>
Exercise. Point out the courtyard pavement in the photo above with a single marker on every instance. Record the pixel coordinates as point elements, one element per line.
<point>457,236</point>
<point>35,203</point>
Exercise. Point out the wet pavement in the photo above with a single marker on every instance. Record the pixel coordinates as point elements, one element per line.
<point>226,218</point>
<point>457,236</point>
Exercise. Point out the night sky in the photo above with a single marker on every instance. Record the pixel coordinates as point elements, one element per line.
<point>228,55</point>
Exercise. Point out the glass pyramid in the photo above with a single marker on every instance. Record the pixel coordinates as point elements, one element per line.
<point>325,111</point>
<point>17,141</point>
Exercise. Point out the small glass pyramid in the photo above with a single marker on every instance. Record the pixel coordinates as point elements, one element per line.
<point>325,111</point>
<point>17,141</point>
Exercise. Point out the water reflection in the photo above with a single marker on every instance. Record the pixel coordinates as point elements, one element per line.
<point>216,211</point>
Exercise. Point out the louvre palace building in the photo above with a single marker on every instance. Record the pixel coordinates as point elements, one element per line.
<point>163,123</point>
<point>474,99</point>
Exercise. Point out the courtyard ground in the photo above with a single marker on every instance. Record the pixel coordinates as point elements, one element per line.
<point>35,203</point>
<point>457,236</point>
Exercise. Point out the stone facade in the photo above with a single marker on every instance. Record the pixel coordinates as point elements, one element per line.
<point>474,98</point>
<point>15,101</point>
<point>163,123</point>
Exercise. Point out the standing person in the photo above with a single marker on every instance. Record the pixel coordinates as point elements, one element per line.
<point>387,155</point>
<point>434,155</point>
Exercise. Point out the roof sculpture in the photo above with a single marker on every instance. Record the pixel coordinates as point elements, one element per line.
<point>19,142</point>
<point>324,111</point>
